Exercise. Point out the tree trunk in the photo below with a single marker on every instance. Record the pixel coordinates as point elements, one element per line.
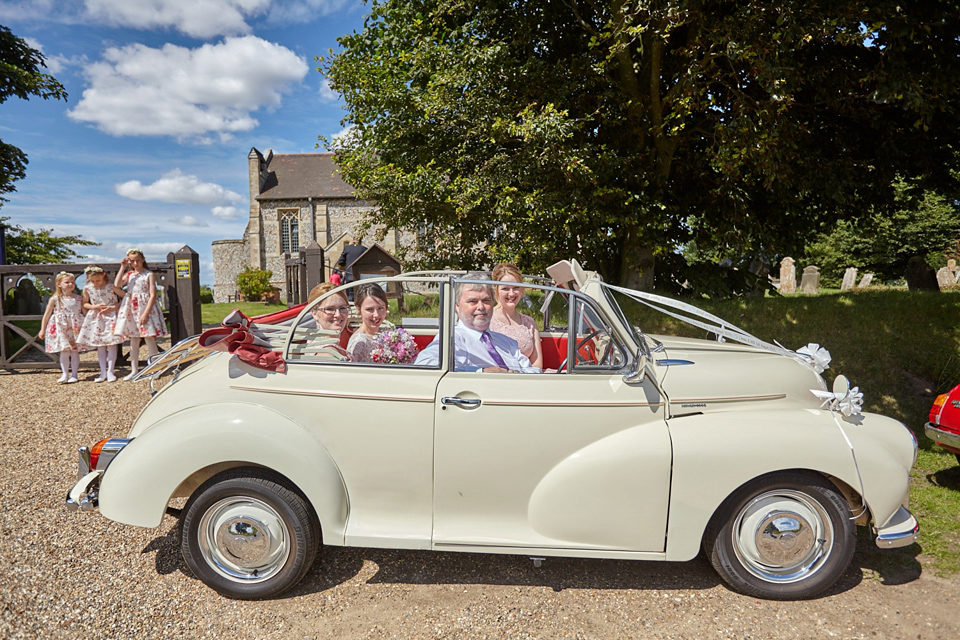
<point>638,268</point>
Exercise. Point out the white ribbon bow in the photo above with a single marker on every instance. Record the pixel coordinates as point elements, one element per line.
<point>849,403</point>
<point>818,356</point>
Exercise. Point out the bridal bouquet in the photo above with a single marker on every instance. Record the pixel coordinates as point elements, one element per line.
<point>394,346</point>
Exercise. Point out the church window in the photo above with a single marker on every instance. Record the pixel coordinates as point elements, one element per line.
<point>289,231</point>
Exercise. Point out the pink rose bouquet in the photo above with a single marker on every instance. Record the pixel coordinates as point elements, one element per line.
<point>394,346</point>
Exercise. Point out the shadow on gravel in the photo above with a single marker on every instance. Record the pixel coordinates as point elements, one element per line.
<point>432,567</point>
<point>888,566</point>
<point>336,565</point>
<point>168,557</point>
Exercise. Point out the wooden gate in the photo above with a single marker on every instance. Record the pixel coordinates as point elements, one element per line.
<point>303,273</point>
<point>178,279</point>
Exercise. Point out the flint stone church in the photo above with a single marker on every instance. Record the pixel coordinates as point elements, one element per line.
<point>295,199</point>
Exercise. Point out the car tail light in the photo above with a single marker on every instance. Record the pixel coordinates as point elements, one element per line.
<point>102,453</point>
<point>937,404</point>
<point>95,452</point>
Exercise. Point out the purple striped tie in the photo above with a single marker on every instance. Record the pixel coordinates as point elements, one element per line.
<point>488,343</point>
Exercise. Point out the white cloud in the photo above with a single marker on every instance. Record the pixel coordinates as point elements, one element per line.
<point>342,137</point>
<point>195,18</point>
<point>225,213</point>
<point>327,94</point>
<point>288,11</point>
<point>174,186</point>
<point>190,221</point>
<point>186,93</point>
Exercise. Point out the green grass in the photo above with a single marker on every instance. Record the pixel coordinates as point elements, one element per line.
<point>213,313</point>
<point>888,342</point>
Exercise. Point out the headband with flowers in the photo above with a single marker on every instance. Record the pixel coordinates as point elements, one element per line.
<point>92,269</point>
<point>64,273</point>
<point>134,250</point>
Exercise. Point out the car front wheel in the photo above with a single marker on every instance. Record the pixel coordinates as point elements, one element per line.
<point>247,535</point>
<point>785,536</point>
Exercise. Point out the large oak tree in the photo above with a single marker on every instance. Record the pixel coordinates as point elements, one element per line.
<point>612,131</point>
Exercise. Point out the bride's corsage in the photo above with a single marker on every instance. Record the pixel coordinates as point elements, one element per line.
<point>394,346</point>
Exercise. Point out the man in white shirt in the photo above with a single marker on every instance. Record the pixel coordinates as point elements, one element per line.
<point>476,348</point>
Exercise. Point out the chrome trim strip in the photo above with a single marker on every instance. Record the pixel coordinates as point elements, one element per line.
<point>940,436</point>
<point>569,403</point>
<point>334,394</point>
<point>771,396</point>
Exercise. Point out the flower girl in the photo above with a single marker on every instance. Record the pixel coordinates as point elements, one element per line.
<point>61,325</point>
<point>140,315</point>
<point>101,300</point>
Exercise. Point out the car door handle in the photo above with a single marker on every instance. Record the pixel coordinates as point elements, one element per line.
<point>460,402</point>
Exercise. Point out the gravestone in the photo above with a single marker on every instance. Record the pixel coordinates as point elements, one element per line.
<point>810,281</point>
<point>945,278</point>
<point>954,269</point>
<point>849,279</point>
<point>788,276</point>
<point>26,299</point>
<point>865,280</point>
<point>920,276</point>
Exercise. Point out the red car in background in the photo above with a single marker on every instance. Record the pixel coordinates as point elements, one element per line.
<point>944,425</point>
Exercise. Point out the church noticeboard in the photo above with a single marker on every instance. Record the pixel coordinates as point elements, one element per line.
<point>183,269</point>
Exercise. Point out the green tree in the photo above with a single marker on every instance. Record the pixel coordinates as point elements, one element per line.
<point>20,76</point>
<point>26,246</point>
<point>926,224</point>
<point>254,283</point>
<point>613,131</point>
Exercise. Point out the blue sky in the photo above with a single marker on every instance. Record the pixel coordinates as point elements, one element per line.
<point>166,98</point>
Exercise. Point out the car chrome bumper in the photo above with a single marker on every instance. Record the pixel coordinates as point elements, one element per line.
<point>83,495</point>
<point>901,530</point>
<point>942,437</point>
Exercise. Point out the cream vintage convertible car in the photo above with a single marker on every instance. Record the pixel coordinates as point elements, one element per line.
<point>632,446</point>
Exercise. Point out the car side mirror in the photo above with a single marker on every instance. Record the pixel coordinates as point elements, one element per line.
<point>841,386</point>
<point>639,370</point>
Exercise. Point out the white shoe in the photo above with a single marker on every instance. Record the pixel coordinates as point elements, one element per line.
<point>111,377</point>
<point>62,379</point>
<point>72,379</point>
<point>130,375</point>
<point>100,379</point>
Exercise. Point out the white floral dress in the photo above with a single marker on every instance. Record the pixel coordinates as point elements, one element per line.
<point>128,319</point>
<point>97,329</point>
<point>64,325</point>
<point>360,347</point>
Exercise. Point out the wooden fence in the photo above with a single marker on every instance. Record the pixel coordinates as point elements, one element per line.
<point>178,277</point>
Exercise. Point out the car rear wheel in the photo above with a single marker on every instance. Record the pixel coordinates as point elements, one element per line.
<point>785,536</point>
<point>247,535</point>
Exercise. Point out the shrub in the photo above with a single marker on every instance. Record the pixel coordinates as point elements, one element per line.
<point>206,294</point>
<point>254,283</point>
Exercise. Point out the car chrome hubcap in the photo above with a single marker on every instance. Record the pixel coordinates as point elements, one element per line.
<point>244,539</point>
<point>782,536</point>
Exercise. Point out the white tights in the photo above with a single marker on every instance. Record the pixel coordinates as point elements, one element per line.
<point>135,351</point>
<point>107,356</point>
<point>69,360</point>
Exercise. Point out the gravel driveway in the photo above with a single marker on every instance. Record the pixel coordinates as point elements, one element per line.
<point>74,575</point>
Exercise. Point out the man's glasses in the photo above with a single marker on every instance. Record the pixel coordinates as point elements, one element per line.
<point>330,311</point>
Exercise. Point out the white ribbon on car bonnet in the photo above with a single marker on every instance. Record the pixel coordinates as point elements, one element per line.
<point>813,355</point>
<point>849,403</point>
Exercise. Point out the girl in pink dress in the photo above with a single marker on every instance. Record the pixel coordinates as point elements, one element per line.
<point>61,325</point>
<point>101,300</point>
<point>508,321</point>
<point>140,315</point>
